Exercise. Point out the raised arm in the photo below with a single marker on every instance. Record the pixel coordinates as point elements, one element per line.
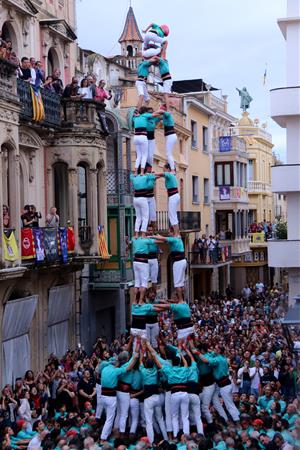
<point>148,28</point>
<point>154,356</point>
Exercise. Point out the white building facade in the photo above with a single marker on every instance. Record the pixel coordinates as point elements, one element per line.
<point>285,110</point>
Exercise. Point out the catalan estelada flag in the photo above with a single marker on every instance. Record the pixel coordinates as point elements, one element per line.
<point>102,243</point>
<point>38,111</point>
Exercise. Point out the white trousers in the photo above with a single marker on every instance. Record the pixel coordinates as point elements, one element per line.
<point>195,412</point>
<point>180,407</point>
<point>179,268</point>
<point>110,406</point>
<point>184,333</point>
<point>168,412</point>
<point>100,405</point>
<point>152,407</point>
<point>210,394</point>
<point>167,86</point>
<point>123,403</point>
<point>226,394</point>
<point>153,270</point>
<point>152,209</point>
<point>173,206</point>
<point>141,148</point>
<point>151,150</point>
<point>134,414</point>
<point>141,274</point>
<point>170,142</point>
<point>141,207</point>
<point>152,333</point>
<point>141,88</point>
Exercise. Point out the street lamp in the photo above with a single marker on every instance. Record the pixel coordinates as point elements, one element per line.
<point>291,326</point>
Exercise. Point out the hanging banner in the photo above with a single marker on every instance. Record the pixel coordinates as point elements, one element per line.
<point>258,238</point>
<point>71,240</point>
<point>27,243</point>
<point>63,244</point>
<point>224,193</point>
<point>225,143</point>
<point>39,244</point>
<point>50,244</point>
<point>11,251</point>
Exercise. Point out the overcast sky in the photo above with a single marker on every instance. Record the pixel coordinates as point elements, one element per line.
<point>226,42</point>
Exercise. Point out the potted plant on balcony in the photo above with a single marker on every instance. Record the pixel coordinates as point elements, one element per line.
<point>281,230</point>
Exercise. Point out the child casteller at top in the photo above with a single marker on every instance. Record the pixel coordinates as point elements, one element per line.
<point>155,36</point>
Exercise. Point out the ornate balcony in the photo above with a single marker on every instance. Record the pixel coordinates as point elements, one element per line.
<point>189,221</point>
<point>229,194</point>
<point>256,187</point>
<point>8,81</point>
<point>51,103</point>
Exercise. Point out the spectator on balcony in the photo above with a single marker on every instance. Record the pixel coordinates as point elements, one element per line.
<point>100,96</point>
<point>25,72</point>
<point>85,89</point>
<point>3,49</point>
<point>40,75</point>
<point>202,243</point>
<point>48,84</point>
<point>52,219</point>
<point>72,90</point>
<point>100,93</point>
<point>36,216</point>
<point>228,235</point>
<point>6,217</point>
<point>26,217</point>
<point>211,244</point>
<point>57,82</point>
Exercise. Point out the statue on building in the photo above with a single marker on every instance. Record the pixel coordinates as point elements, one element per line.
<point>246,98</point>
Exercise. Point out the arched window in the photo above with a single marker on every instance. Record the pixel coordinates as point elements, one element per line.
<point>129,50</point>
<point>8,34</point>
<point>112,146</point>
<point>61,188</point>
<point>82,196</point>
<point>53,61</point>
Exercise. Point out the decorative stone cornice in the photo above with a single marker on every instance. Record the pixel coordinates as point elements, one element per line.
<point>24,6</point>
<point>60,27</point>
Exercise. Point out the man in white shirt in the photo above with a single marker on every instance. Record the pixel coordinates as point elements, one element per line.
<point>259,287</point>
<point>36,441</point>
<point>255,373</point>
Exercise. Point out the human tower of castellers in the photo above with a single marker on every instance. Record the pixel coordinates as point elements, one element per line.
<point>153,384</point>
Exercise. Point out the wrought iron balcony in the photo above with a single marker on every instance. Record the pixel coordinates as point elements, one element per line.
<point>8,81</point>
<point>188,221</point>
<point>118,183</point>
<point>51,103</point>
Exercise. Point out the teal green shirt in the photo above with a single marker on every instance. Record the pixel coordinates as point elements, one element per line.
<point>176,374</point>
<point>137,380</point>
<point>141,121</point>
<point>168,119</point>
<point>141,310</point>
<point>140,245</point>
<point>149,376</point>
<point>141,182</point>
<point>175,244</point>
<point>193,372</point>
<point>151,123</point>
<point>151,178</point>
<point>170,180</point>
<point>158,30</point>
<point>153,247</point>
<point>265,402</point>
<point>143,69</point>
<point>110,375</point>
<point>291,419</point>
<point>26,434</point>
<point>220,366</point>
<point>127,377</point>
<point>180,310</point>
<point>163,66</point>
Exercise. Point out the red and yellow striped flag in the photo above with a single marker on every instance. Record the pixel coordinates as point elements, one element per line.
<point>38,111</point>
<point>102,243</point>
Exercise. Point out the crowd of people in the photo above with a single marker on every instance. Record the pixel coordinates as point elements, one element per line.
<point>233,383</point>
<point>209,250</point>
<point>30,217</point>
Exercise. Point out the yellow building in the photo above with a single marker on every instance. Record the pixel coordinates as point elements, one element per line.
<point>260,160</point>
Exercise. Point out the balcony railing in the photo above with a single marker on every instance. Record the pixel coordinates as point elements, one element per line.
<point>258,186</point>
<point>118,183</point>
<point>51,102</point>
<point>188,221</point>
<point>220,254</point>
<point>8,81</point>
